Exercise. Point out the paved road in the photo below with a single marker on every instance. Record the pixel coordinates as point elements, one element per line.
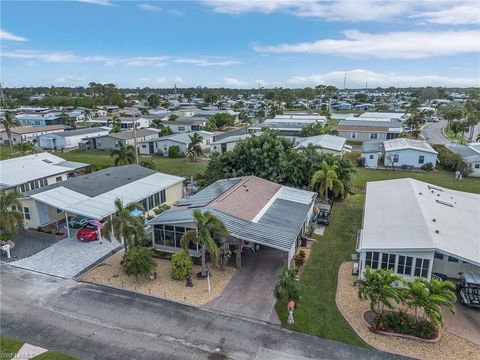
<point>94,322</point>
<point>433,133</point>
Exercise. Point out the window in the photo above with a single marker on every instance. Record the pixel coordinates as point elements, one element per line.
<point>388,261</point>
<point>438,256</point>
<point>421,267</point>
<point>162,197</point>
<point>421,159</point>
<point>353,135</point>
<point>477,166</point>
<point>99,143</point>
<point>59,211</point>
<point>181,128</point>
<point>371,157</point>
<point>156,199</point>
<point>372,259</point>
<point>405,265</point>
<point>22,187</point>
<point>452,259</point>
<point>396,158</point>
<point>169,235</point>
<point>144,146</point>
<point>26,213</point>
<point>150,202</point>
<point>373,136</point>
<point>58,179</point>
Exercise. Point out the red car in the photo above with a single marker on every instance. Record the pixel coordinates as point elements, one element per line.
<point>89,232</point>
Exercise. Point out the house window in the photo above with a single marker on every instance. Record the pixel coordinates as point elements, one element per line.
<point>477,166</point>
<point>169,236</point>
<point>388,261</point>
<point>144,146</point>
<point>150,202</point>
<point>452,259</point>
<point>353,135</point>
<point>58,179</point>
<point>181,128</point>
<point>26,213</point>
<point>22,187</point>
<point>405,265</point>
<point>373,136</point>
<point>99,143</point>
<point>421,159</point>
<point>421,267</point>
<point>156,199</point>
<point>396,158</point>
<point>438,256</point>
<point>59,211</point>
<point>371,157</point>
<point>163,197</point>
<point>372,259</point>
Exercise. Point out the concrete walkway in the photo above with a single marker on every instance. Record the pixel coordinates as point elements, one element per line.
<point>68,257</point>
<point>250,292</point>
<point>28,351</point>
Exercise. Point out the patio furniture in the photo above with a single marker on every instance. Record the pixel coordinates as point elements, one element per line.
<point>6,247</point>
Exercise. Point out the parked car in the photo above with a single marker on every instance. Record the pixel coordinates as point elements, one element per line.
<point>469,289</point>
<point>90,232</point>
<point>78,222</point>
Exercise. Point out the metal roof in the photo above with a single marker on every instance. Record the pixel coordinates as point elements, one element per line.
<point>386,124</point>
<point>372,146</point>
<point>326,141</point>
<point>403,143</point>
<point>468,153</point>
<point>205,196</point>
<point>77,132</point>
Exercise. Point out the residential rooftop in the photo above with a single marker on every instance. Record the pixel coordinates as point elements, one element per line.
<point>330,142</point>
<point>127,135</point>
<point>404,143</point>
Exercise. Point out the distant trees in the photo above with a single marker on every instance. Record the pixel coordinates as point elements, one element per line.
<point>361,97</point>
<point>173,117</point>
<point>220,121</point>
<point>153,101</point>
<point>211,96</point>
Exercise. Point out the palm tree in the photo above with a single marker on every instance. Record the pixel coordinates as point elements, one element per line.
<point>326,179</point>
<point>473,118</point>
<point>24,147</point>
<point>144,111</point>
<point>9,122</point>
<point>416,132</point>
<point>194,148</point>
<point>88,114</point>
<point>376,286</point>
<point>11,217</point>
<point>67,120</point>
<point>124,226</point>
<point>124,155</point>
<point>287,286</point>
<point>207,225</point>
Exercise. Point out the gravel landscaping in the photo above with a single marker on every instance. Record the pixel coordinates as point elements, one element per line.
<point>110,273</point>
<point>450,346</point>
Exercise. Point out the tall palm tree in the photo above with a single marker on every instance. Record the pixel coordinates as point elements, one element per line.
<point>24,147</point>
<point>376,286</point>
<point>473,118</point>
<point>125,227</point>
<point>325,180</point>
<point>207,225</point>
<point>194,149</point>
<point>9,122</point>
<point>124,155</point>
<point>67,120</point>
<point>11,217</point>
<point>419,298</point>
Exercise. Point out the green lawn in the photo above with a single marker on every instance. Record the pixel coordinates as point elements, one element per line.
<point>6,153</point>
<point>317,313</point>
<point>9,347</point>
<point>454,137</point>
<point>102,159</point>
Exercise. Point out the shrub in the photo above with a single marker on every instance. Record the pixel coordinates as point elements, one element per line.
<point>428,166</point>
<point>360,161</point>
<point>139,262</point>
<point>426,330</point>
<point>450,160</point>
<point>300,258</point>
<point>181,265</point>
<point>174,152</point>
<point>160,209</point>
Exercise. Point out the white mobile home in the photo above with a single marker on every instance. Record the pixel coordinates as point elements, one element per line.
<point>69,139</point>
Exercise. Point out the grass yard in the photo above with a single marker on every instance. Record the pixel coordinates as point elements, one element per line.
<point>317,313</point>
<point>9,347</point>
<point>454,137</point>
<point>6,152</point>
<point>102,159</point>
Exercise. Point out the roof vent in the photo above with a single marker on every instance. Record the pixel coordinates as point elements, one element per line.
<point>434,188</point>
<point>420,193</point>
<point>434,220</point>
<point>437,232</point>
<point>444,203</point>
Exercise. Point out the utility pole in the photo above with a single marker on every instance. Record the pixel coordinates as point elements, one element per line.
<point>3,103</point>
<point>135,138</point>
<point>345,81</point>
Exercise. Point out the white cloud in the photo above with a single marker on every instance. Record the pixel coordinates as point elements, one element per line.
<point>400,45</point>
<point>178,79</point>
<point>206,62</point>
<point>234,82</point>
<point>5,35</point>
<point>261,82</point>
<point>98,2</point>
<point>69,79</point>
<point>467,13</point>
<point>148,7</point>
<point>357,78</point>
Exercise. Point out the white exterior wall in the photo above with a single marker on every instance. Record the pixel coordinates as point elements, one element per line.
<point>371,160</point>
<point>476,171</point>
<point>66,142</point>
<point>164,145</point>
<point>409,157</point>
<point>452,269</point>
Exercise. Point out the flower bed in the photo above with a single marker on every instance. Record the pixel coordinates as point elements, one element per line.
<point>401,324</point>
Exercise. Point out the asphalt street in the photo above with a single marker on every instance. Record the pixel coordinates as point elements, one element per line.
<point>433,133</point>
<point>94,322</point>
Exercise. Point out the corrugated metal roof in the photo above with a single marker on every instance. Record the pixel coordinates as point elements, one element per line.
<point>203,197</point>
<point>373,146</point>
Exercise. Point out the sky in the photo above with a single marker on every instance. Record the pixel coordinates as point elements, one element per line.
<point>241,43</point>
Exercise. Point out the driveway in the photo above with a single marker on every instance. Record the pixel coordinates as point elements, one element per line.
<point>250,292</point>
<point>68,257</point>
<point>28,243</point>
<point>95,322</point>
<point>465,323</point>
<point>433,133</point>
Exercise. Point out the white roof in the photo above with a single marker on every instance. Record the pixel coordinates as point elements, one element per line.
<point>101,206</point>
<point>314,117</point>
<point>326,141</point>
<point>233,138</point>
<point>183,138</point>
<point>384,115</point>
<point>403,143</point>
<point>411,215</point>
<point>19,170</point>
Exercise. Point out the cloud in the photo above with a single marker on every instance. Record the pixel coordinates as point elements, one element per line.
<point>149,7</point>
<point>98,2</point>
<point>69,79</point>
<point>340,10</point>
<point>357,78</point>
<point>5,35</point>
<point>234,82</point>
<point>400,45</point>
<point>178,79</point>
<point>206,62</point>
<point>467,13</point>
<point>261,82</point>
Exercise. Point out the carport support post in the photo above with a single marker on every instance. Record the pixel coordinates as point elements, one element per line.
<point>68,226</point>
<point>238,253</point>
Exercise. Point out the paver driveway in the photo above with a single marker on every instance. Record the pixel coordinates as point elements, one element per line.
<point>464,323</point>
<point>68,257</point>
<point>250,292</point>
